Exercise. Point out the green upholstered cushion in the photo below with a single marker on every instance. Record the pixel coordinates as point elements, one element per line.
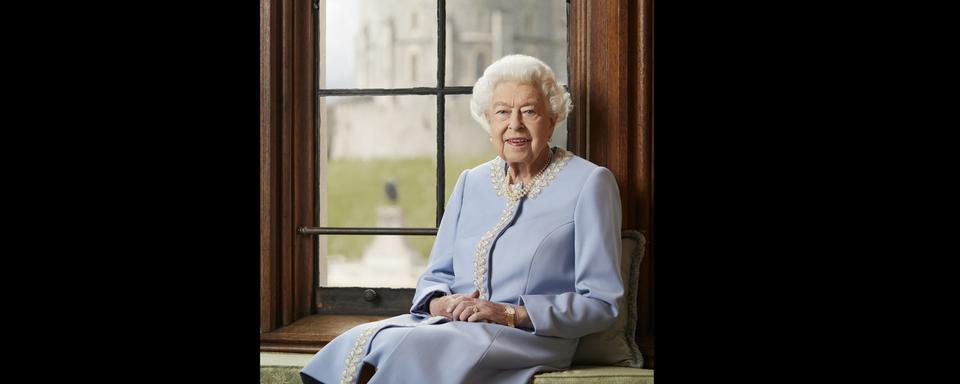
<point>279,375</point>
<point>576,374</point>
<point>594,374</point>
<point>617,345</point>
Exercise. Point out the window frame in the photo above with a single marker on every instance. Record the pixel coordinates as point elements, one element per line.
<point>441,90</point>
<point>610,65</point>
<point>287,70</point>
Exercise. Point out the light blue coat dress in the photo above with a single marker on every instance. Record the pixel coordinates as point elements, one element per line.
<point>555,252</point>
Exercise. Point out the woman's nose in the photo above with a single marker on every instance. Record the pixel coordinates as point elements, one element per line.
<point>515,122</point>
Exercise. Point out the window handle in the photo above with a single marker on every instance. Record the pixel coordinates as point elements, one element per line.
<point>370,295</point>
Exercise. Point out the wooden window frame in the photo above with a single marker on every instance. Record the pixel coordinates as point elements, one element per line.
<point>611,67</point>
<point>287,128</point>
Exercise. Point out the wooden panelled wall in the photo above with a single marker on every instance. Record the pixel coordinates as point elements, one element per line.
<point>287,131</point>
<point>611,64</point>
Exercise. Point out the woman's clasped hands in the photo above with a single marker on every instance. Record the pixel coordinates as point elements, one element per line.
<point>467,308</point>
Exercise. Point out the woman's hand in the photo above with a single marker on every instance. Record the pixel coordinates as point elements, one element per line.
<point>485,311</point>
<point>460,306</point>
<point>474,309</point>
<point>446,305</point>
<point>467,308</point>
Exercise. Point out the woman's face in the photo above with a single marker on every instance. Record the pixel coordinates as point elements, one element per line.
<point>520,122</point>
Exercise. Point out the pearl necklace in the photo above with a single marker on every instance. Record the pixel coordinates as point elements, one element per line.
<point>516,195</point>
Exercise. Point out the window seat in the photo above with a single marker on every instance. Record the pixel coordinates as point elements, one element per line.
<point>596,374</point>
<point>306,336</point>
<point>284,368</point>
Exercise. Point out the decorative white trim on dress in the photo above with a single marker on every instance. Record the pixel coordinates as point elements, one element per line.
<point>480,255</point>
<point>500,184</point>
<point>352,370</point>
<point>551,173</point>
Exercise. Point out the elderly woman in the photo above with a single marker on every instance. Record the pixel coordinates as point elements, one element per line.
<point>526,259</point>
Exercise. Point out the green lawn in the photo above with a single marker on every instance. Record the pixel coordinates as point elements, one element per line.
<point>355,188</point>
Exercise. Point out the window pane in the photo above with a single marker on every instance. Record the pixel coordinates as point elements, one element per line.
<point>374,261</point>
<point>380,44</point>
<point>480,32</point>
<point>381,152</point>
<point>467,144</point>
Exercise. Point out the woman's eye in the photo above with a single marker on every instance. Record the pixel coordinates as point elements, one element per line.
<point>502,112</point>
<point>530,112</point>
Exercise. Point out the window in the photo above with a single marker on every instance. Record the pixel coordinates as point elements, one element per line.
<point>396,140</point>
<point>413,68</point>
<point>481,64</point>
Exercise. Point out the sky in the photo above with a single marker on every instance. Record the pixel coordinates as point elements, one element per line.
<point>342,23</point>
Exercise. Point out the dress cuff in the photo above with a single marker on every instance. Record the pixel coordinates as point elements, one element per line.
<point>422,307</point>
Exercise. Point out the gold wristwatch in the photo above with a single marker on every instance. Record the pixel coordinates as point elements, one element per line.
<point>511,316</point>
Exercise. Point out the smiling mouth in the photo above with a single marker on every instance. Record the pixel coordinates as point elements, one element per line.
<point>517,141</point>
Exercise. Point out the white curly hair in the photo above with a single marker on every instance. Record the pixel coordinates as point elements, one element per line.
<point>524,69</point>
